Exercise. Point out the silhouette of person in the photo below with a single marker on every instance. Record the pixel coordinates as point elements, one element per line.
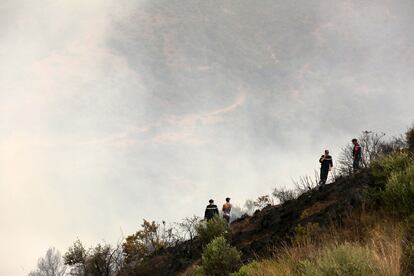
<point>356,155</point>
<point>326,165</point>
<point>226,209</point>
<point>211,210</point>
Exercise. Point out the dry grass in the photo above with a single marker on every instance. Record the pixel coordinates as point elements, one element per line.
<point>375,232</point>
<point>380,234</point>
<point>385,243</point>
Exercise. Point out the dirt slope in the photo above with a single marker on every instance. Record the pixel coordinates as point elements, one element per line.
<point>258,235</point>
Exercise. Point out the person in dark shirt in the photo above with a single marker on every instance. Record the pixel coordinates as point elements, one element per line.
<point>356,155</point>
<point>326,165</point>
<point>211,210</point>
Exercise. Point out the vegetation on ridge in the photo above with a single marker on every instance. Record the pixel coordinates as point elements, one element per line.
<point>374,239</point>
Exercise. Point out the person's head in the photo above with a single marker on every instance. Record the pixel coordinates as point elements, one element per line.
<point>354,141</point>
<point>211,201</point>
<point>326,152</point>
<point>227,199</point>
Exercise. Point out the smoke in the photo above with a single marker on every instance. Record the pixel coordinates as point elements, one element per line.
<point>112,112</point>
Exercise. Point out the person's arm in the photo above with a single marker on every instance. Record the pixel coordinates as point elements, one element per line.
<point>321,159</point>
<point>205,213</point>
<point>331,162</point>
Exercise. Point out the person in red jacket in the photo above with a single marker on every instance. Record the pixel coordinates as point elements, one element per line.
<point>356,155</point>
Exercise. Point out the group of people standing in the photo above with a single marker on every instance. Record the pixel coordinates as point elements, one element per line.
<point>326,166</point>
<point>212,210</point>
<point>327,163</point>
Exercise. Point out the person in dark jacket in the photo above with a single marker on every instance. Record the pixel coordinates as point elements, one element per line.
<point>326,165</point>
<point>211,210</point>
<point>356,155</point>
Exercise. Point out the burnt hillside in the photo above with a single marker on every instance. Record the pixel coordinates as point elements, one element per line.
<point>257,236</point>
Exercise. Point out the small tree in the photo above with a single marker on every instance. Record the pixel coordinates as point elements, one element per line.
<point>263,201</point>
<point>399,192</point>
<point>220,258</point>
<point>187,227</point>
<point>372,145</point>
<point>75,257</point>
<point>102,260</point>
<point>409,136</point>
<point>209,230</point>
<point>170,235</point>
<point>50,265</point>
<point>143,242</point>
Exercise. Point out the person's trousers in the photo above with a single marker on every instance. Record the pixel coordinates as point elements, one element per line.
<point>356,164</point>
<point>324,176</point>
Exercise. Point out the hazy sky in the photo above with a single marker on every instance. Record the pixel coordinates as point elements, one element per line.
<point>115,111</point>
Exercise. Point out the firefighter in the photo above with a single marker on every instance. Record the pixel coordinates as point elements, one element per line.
<point>211,210</point>
<point>326,165</point>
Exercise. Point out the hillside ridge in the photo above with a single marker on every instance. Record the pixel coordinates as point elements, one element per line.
<point>258,236</point>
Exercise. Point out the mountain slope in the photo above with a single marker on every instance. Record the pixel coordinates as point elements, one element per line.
<point>258,236</point>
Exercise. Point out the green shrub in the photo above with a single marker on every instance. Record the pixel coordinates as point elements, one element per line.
<point>409,136</point>
<point>383,167</point>
<point>247,269</point>
<point>198,271</point>
<point>407,257</point>
<point>346,260</point>
<point>220,258</point>
<point>398,195</point>
<point>306,234</point>
<point>216,227</point>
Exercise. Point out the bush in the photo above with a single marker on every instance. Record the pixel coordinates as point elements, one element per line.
<point>149,240</point>
<point>50,264</point>
<point>143,243</point>
<point>372,144</point>
<point>100,260</point>
<point>220,258</point>
<point>398,195</point>
<point>247,270</point>
<point>383,167</point>
<point>307,234</point>
<point>346,260</point>
<point>262,202</point>
<point>198,271</point>
<point>409,136</point>
<point>213,228</point>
